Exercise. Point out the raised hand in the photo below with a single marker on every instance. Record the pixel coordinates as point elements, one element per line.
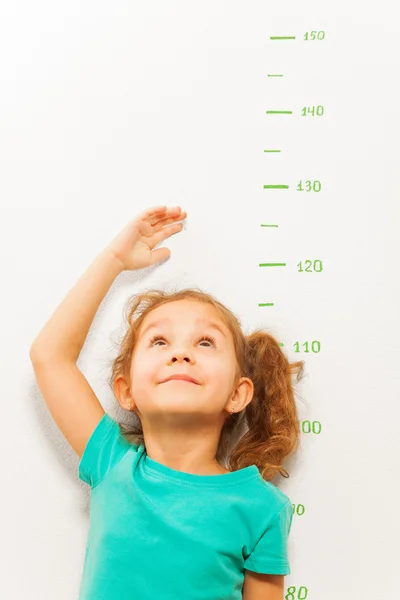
<point>134,245</point>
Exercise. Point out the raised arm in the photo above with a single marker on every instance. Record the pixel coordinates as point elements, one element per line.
<point>54,353</point>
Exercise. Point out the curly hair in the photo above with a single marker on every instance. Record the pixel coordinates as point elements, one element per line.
<point>271,418</point>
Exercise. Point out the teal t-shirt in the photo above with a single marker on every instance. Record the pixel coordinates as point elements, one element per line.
<point>160,534</point>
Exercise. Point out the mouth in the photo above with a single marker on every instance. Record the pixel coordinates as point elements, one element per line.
<point>180,379</point>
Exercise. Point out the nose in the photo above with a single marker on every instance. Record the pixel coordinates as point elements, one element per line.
<point>180,355</point>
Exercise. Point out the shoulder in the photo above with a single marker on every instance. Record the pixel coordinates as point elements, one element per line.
<point>105,448</point>
<point>267,491</point>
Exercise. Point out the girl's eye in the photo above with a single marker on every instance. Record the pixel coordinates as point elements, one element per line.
<point>207,338</point>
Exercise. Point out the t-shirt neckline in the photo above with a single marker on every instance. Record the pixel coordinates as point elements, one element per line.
<point>222,479</point>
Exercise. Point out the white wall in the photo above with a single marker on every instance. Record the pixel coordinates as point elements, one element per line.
<point>109,108</point>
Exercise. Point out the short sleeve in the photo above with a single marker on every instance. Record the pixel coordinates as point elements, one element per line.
<point>270,554</point>
<point>104,449</point>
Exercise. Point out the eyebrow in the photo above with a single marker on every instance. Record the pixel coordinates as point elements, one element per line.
<point>207,322</point>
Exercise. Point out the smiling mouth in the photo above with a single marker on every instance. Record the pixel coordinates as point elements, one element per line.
<point>181,381</point>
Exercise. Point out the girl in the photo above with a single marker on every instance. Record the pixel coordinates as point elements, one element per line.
<point>182,506</point>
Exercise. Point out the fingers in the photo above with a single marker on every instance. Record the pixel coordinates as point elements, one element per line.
<point>167,223</point>
<point>154,210</point>
<point>166,232</point>
<point>163,233</point>
<point>162,219</point>
<point>158,211</point>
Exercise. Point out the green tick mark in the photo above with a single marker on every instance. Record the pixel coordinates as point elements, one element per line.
<point>276,187</point>
<point>279,112</point>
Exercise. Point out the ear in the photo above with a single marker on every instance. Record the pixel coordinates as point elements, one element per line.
<point>242,396</point>
<point>123,394</point>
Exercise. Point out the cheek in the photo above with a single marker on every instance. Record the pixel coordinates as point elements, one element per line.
<point>221,377</point>
<point>145,369</point>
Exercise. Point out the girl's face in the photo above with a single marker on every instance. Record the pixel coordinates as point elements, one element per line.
<point>190,339</point>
